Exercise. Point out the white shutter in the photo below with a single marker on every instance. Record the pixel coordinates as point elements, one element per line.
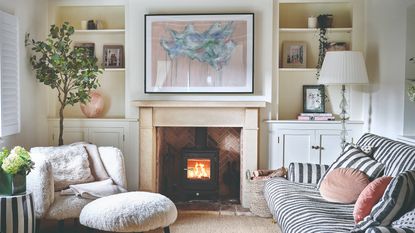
<point>9,71</point>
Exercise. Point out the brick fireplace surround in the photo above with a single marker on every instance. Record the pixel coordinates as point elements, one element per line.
<point>153,114</point>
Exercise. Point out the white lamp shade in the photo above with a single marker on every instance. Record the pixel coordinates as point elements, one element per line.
<point>343,67</point>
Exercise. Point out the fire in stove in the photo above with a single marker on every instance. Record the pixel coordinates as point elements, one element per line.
<point>198,169</point>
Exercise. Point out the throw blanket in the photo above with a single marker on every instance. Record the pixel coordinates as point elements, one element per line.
<point>94,190</point>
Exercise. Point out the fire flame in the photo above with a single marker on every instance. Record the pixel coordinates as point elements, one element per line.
<point>198,171</point>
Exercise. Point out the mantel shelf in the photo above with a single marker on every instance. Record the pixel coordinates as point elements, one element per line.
<point>314,29</point>
<point>101,31</point>
<point>199,104</point>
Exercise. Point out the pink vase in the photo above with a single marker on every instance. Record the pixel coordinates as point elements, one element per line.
<point>95,106</point>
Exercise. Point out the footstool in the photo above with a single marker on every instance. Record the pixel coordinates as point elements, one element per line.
<point>129,212</point>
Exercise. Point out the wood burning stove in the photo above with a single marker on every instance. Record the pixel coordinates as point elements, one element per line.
<point>199,168</point>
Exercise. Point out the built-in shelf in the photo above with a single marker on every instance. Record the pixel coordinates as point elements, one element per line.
<point>314,29</point>
<point>114,69</point>
<point>101,31</point>
<point>297,69</point>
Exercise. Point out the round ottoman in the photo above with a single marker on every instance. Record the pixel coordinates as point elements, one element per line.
<point>129,212</point>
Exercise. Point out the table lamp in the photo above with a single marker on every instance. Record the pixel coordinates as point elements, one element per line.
<point>343,68</point>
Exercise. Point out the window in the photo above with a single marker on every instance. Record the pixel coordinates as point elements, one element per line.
<point>9,71</point>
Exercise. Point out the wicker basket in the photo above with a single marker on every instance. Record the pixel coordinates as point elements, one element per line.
<point>258,204</point>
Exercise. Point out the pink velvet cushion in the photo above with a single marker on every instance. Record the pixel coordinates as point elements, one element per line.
<point>343,185</point>
<point>369,197</point>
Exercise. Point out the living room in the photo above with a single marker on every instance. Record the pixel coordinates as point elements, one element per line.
<point>170,110</point>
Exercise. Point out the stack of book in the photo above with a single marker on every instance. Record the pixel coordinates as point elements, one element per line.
<point>316,117</point>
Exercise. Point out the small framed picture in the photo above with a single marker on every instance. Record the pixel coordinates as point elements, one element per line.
<point>294,54</point>
<point>88,47</point>
<point>113,56</point>
<point>337,46</point>
<point>313,99</point>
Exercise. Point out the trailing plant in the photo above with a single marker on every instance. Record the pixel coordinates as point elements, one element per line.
<point>411,93</point>
<point>324,22</point>
<point>71,71</point>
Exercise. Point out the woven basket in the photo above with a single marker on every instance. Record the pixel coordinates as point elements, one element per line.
<point>258,204</point>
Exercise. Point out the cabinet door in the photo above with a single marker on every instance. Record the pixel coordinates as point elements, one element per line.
<point>296,146</point>
<point>70,135</point>
<point>110,136</point>
<point>329,145</point>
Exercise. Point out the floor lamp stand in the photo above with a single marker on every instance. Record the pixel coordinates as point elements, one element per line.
<point>343,117</point>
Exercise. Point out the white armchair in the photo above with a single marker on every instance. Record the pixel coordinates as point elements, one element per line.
<point>49,204</point>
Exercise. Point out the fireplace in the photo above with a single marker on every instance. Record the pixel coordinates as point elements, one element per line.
<point>165,117</point>
<point>199,174</point>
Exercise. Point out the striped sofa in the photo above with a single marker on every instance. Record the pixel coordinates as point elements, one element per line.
<point>296,203</point>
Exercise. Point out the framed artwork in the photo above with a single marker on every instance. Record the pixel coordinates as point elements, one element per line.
<point>199,53</point>
<point>113,56</point>
<point>88,47</point>
<point>294,54</point>
<point>313,99</point>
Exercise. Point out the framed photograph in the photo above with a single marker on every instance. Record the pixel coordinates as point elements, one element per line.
<point>313,99</point>
<point>113,56</point>
<point>337,46</point>
<point>88,47</point>
<point>199,53</point>
<point>294,54</point>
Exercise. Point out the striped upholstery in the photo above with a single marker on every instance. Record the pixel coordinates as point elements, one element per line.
<point>299,208</point>
<point>389,230</point>
<point>17,214</point>
<point>396,201</point>
<point>397,156</point>
<point>306,172</point>
<point>355,158</point>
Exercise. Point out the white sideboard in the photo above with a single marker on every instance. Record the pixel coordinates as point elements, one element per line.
<point>307,141</point>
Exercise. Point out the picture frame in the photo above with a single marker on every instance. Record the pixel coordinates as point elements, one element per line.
<point>314,99</point>
<point>294,54</point>
<point>89,48</point>
<point>215,55</point>
<point>113,56</point>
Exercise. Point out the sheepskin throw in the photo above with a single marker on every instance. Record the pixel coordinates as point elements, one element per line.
<point>129,212</point>
<point>70,165</point>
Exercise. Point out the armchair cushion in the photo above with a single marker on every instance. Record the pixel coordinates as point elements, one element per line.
<point>65,207</point>
<point>307,173</point>
<point>113,161</point>
<point>70,164</point>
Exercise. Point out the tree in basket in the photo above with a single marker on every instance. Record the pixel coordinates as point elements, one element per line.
<point>72,71</point>
<point>14,166</point>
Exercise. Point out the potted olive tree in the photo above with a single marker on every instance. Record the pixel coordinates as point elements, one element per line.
<point>71,71</point>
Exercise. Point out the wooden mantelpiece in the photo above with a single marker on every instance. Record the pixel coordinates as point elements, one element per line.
<point>153,114</point>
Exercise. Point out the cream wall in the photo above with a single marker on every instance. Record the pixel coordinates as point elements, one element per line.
<point>385,58</point>
<point>263,55</point>
<point>32,18</point>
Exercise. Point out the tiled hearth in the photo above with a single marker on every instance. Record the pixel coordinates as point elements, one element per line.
<point>156,114</point>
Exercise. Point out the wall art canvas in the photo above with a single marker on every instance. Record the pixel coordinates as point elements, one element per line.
<point>211,53</point>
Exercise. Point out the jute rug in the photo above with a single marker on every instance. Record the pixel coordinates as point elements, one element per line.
<point>211,223</point>
<point>188,222</point>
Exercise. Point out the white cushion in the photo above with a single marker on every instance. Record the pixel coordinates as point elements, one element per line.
<point>65,207</point>
<point>129,212</point>
<point>70,164</point>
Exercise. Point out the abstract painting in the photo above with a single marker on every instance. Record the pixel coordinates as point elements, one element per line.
<point>188,53</point>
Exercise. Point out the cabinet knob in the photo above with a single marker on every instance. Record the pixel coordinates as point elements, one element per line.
<point>315,147</point>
